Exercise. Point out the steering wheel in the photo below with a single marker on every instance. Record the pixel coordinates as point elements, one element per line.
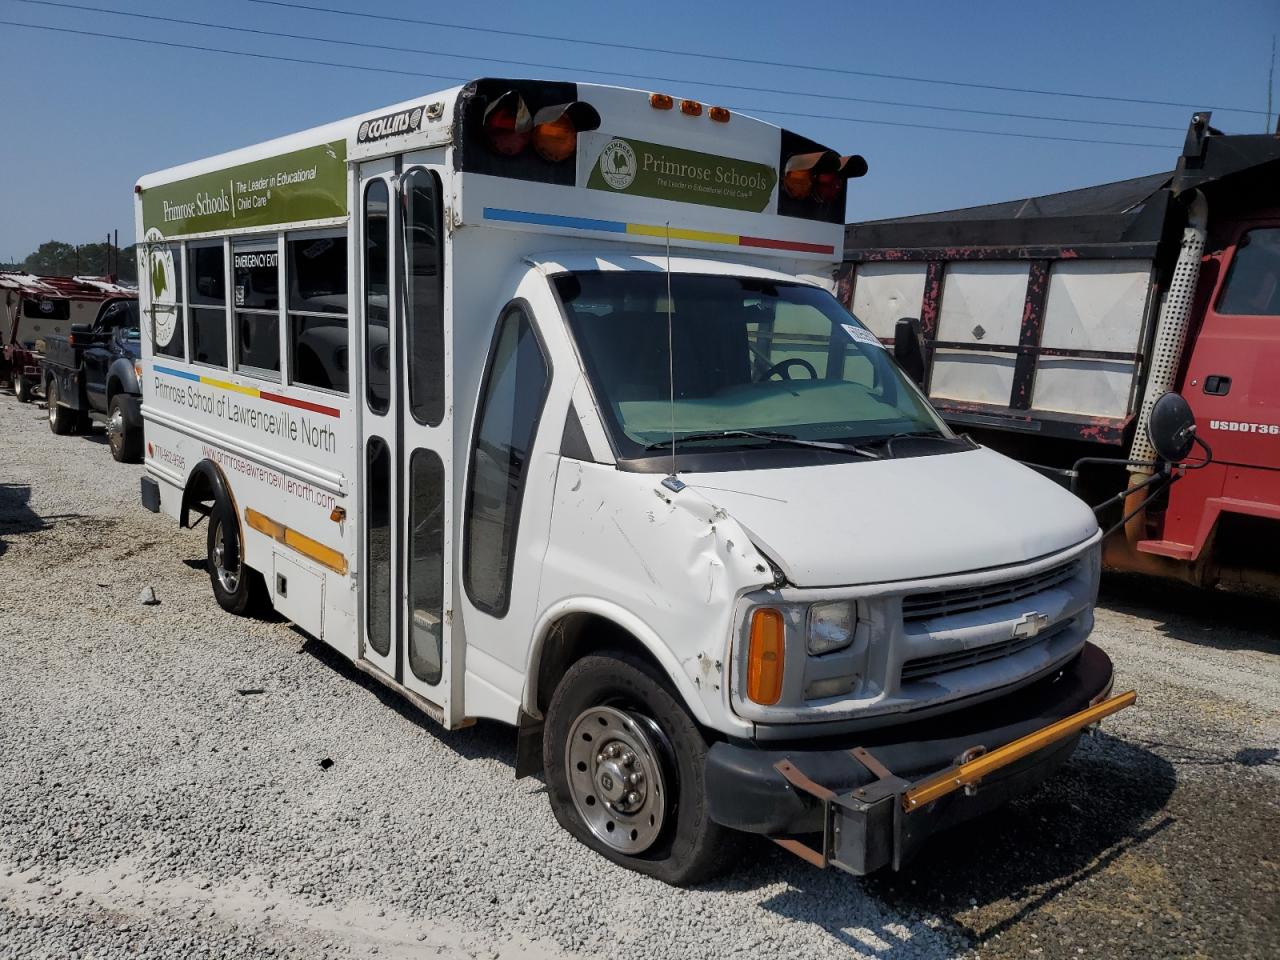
<point>781,367</point>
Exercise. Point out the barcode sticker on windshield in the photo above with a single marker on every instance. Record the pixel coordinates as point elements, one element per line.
<point>861,335</point>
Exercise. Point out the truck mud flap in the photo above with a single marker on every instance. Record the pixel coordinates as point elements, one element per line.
<point>874,826</point>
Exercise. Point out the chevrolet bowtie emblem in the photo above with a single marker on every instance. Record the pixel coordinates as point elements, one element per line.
<point>1030,625</point>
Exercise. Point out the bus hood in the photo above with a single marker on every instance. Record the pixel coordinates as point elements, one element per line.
<point>863,521</point>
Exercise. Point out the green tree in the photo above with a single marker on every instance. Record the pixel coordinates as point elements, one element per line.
<point>52,259</point>
<point>57,259</point>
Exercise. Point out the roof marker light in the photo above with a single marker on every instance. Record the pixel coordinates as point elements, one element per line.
<point>691,108</point>
<point>719,114</point>
<point>661,101</point>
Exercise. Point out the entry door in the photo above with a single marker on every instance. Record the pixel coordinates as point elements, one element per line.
<point>406,520</point>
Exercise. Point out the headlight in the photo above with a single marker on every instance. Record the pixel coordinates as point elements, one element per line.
<point>830,627</point>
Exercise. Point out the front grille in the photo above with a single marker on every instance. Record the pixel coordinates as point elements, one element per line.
<point>922,668</point>
<point>942,603</point>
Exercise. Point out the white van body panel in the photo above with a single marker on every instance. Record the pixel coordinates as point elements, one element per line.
<point>667,567</point>
<point>879,521</point>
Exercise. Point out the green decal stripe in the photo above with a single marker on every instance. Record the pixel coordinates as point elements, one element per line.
<point>303,185</point>
<point>655,170</point>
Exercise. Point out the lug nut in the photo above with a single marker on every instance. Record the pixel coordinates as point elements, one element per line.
<point>633,798</point>
<point>635,778</point>
<point>629,758</point>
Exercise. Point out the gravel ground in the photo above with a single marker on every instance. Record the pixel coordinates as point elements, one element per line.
<point>162,793</point>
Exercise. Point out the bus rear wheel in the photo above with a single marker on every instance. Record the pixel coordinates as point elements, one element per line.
<point>237,587</point>
<point>624,765</point>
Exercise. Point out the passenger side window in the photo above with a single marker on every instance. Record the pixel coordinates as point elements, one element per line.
<point>511,399</point>
<point>257,308</point>
<point>1252,288</point>
<point>207,303</point>
<point>165,277</point>
<point>317,272</point>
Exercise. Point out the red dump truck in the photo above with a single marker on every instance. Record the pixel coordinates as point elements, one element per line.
<point>1048,328</point>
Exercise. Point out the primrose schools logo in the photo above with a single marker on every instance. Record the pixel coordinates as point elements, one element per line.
<point>162,273</point>
<point>618,164</point>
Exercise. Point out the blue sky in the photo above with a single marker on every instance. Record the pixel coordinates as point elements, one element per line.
<point>84,117</point>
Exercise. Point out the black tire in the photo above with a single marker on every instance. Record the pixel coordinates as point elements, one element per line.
<point>22,388</point>
<point>124,432</point>
<point>690,847</point>
<point>61,419</point>
<point>238,588</point>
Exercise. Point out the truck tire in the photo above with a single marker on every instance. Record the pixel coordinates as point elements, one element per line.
<point>124,431</point>
<point>625,771</point>
<point>61,419</point>
<point>22,388</point>
<point>238,588</point>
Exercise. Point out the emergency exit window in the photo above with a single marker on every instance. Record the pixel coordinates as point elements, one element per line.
<point>256,273</point>
<point>1253,283</point>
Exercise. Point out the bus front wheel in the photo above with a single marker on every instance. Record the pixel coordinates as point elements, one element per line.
<point>625,765</point>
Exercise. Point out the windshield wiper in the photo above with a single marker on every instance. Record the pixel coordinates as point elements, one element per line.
<point>768,436</point>
<point>887,442</point>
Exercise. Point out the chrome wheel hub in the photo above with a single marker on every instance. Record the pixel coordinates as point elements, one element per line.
<point>616,777</point>
<point>230,579</point>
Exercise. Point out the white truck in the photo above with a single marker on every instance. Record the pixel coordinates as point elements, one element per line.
<point>533,400</point>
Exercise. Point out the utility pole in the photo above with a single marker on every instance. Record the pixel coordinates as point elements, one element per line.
<point>1271,79</point>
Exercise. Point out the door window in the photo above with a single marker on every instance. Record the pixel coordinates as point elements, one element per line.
<point>377,509</point>
<point>515,387</point>
<point>377,293</point>
<point>426,565</point>
<point>1252,287</point>
<point>424,294</point>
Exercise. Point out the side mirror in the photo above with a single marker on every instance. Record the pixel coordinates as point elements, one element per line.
<point>1172,428</point>
<point>908,348</point>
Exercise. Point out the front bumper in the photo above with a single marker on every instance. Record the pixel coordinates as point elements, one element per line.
<point>862,793</point>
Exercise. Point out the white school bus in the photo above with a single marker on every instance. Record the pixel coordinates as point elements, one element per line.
<point>532,400</point>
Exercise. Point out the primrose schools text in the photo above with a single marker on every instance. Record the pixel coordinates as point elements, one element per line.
<point>271,423</point>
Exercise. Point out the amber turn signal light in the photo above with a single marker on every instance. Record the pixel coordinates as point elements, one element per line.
<point>764,656</point>
<point>557,140</point>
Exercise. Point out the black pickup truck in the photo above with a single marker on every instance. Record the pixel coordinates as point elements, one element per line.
<point>95,374</point>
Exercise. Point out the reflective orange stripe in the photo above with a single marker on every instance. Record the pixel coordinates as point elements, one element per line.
<point>312,549</point>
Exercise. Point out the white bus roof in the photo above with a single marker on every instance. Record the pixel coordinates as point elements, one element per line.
<point>645,165</point>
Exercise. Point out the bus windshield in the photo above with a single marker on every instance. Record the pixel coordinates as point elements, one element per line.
<point>748,356</point>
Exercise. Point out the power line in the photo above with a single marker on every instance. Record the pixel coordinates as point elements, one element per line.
<point>435,76</point>
<point>524,34</point>
<point>381,47</point>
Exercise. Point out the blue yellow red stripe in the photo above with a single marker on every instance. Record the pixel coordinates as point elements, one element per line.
<point>248,391</point>
<point>652,230</point>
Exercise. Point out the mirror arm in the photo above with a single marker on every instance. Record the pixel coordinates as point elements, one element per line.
<point>1123,494</point>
